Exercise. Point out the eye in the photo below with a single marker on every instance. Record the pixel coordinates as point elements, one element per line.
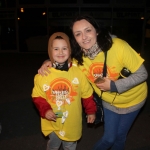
<point>77,34</point>
<point>65,48</point>
<point>55,49</point>
<point>88,30</point>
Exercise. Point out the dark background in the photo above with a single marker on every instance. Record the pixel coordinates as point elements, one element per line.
<point>23,48</point>
<point>28,31</point>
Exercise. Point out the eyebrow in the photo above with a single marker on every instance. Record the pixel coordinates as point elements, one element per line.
<point>77,31</point>
<point>84,29</point>
<point>63,47</point>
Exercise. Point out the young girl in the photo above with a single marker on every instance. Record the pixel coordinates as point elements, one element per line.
<point>58,96</point>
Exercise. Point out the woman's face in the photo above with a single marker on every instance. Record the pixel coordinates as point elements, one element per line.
<point>84,33</point>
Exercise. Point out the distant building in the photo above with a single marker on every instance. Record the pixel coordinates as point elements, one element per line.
<point>25,25</point>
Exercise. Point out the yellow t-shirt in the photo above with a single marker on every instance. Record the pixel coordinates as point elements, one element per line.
<point>120,55</point>
<point>63,91</point>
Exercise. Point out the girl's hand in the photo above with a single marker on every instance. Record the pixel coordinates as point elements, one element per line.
<point>49,115</point>
<point>104,86</point>
<point>91,118</point>
<point>44,68</point>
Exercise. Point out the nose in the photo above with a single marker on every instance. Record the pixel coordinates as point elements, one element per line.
<point>84,35</point>
<point>60,51</point>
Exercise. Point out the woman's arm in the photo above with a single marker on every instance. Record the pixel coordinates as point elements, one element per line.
<point>132,80</point>
<point>44,68</point>
<point>124,84</point>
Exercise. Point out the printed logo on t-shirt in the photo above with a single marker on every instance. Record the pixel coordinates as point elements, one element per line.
<point>61,91</point>
<point>96,70</point>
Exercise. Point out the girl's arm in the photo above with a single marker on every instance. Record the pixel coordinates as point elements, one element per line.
<point>90,108</point>
<point>42,105</point>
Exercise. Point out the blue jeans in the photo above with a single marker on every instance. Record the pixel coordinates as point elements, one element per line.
<point>116,127</point>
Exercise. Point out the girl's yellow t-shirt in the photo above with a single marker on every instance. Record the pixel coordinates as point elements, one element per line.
<point>63,91</point>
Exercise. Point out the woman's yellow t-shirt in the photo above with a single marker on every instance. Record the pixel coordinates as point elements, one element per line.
<point>120,55</point>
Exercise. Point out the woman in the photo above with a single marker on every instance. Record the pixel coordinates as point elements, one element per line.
<point>122,98</point>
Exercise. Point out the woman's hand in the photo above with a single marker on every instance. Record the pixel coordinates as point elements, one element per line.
<point>104,86</point>
<point>44,68</point>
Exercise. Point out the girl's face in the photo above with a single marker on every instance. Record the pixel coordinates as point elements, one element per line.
<point>60,50</point>
<point>84,33</point>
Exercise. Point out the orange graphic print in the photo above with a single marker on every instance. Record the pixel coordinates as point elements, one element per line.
<point>60,90</point>
<point>96,70</point>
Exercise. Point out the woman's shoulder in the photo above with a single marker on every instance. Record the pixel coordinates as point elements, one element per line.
<point>119,44</point>
<point>74,62</point>
<point>75,67</point>
<point>119,41</point>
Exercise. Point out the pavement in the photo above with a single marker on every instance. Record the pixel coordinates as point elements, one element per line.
<point>21,122</point>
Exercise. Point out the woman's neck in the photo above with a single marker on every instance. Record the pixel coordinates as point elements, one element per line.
<point>92,52</point>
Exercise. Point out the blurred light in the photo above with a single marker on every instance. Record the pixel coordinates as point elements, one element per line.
<point>22,9</point>
<point>44,13</point>
<point>142,18</point>
<point>18,18</point>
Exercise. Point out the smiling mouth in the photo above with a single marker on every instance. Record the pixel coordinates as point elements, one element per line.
<point>60,56</point>
<point>85,42</point>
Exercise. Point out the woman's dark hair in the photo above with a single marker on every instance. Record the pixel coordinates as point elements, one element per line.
<point>104,39</point>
